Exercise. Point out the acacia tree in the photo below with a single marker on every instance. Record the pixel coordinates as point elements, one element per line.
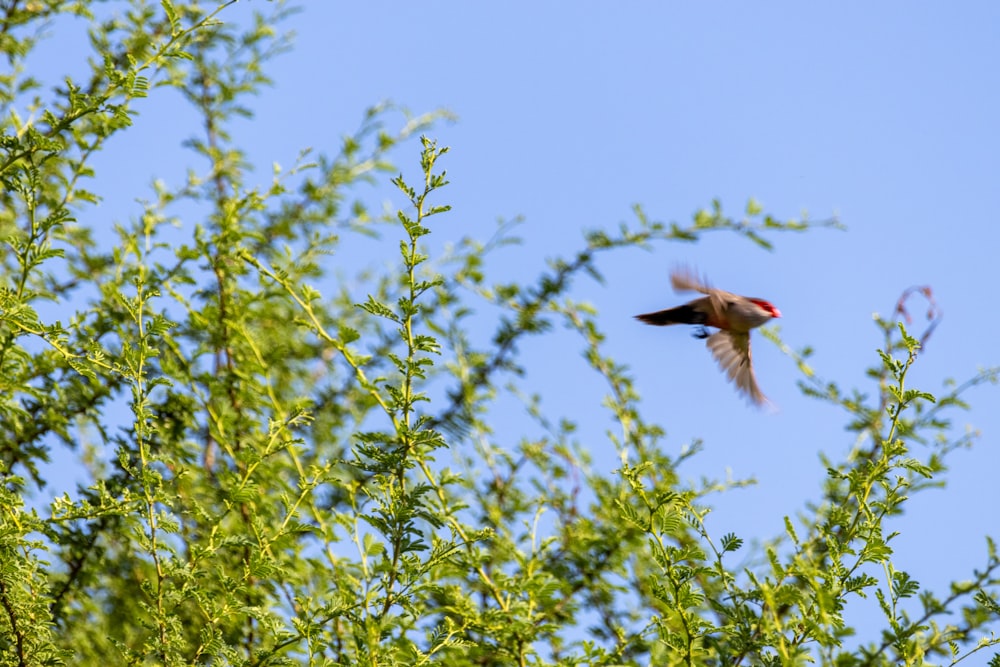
<point>281,476</point>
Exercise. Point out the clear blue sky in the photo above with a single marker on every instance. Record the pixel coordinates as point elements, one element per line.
<point>885,114</point>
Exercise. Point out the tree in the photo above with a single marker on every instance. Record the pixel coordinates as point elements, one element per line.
<point>300,478</point>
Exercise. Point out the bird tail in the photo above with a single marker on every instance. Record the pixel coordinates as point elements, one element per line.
<point>686,314</point>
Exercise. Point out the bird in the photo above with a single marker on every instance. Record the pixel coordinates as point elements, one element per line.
<point>733,315</point>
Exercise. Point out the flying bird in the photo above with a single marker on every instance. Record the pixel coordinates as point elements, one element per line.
<point>733,315</point>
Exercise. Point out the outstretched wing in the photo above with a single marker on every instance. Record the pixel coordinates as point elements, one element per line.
<point>732,351</point>
<point>684,279</point>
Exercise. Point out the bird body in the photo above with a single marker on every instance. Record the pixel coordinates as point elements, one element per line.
<point>733,315</point>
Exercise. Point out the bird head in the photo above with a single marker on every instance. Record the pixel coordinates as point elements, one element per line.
<point>767,307</point>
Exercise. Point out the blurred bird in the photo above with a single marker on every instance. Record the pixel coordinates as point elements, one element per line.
<point>732,314</point>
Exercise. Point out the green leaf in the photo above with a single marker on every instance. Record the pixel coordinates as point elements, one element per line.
<point>378,309</point>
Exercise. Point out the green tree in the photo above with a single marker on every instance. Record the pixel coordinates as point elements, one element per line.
<point>282,476</point>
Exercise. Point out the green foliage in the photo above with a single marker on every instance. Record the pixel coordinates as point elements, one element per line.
<point>310,478</point>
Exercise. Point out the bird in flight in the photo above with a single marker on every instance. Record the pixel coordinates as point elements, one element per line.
<point>733,315</point>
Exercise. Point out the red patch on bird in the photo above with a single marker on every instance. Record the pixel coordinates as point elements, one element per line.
<point>768,306</point>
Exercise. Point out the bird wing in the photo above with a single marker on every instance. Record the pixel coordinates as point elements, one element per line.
<point>684,279</point>
<point>731,350</point>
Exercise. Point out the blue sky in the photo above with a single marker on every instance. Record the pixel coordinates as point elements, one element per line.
<point>883,115</point>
